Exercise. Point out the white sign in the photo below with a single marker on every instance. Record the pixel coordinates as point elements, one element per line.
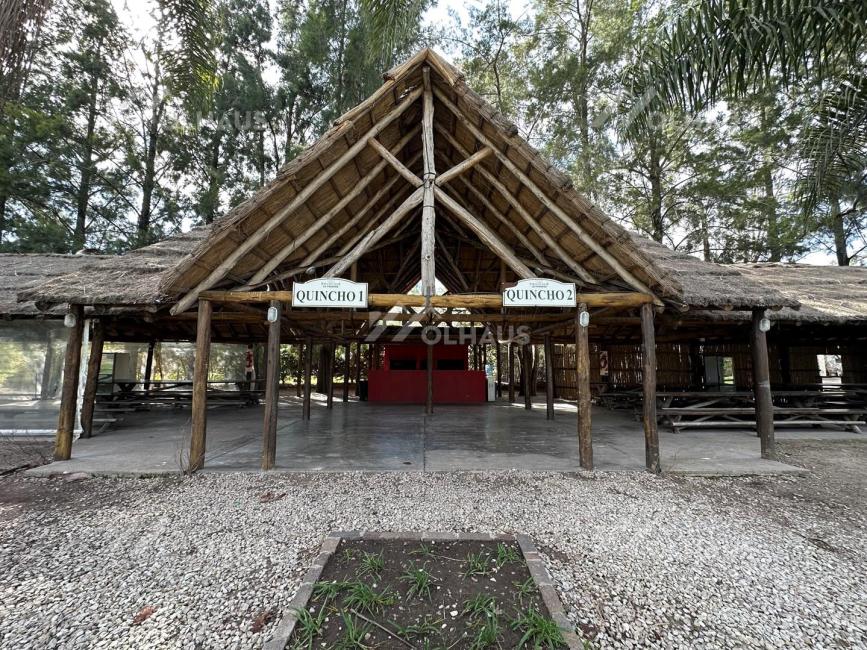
<point>329,292</point>
<point>540,292</point>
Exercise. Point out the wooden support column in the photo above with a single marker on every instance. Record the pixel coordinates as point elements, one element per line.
<point>299,376</point>
<point>582,386</point>
<point>329,377</point>
<point>149,366</point>
<point>308,370</point>
<point>762,387</point>
<point>91,382</point>
<point>347,370</point>
<point>199,427</point>
<point>358,358</point>
<point>69,394</point>
<point>428,408</point>
<point>511,372</point>
<point>527,370</point>
<point>648,378</point>
<point>428,214</point>
<point>272,390</point>
<point>549,378</point>
<point>498,392</point>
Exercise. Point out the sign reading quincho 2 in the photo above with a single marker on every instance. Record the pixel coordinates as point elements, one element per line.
<point>540,292</point>
<point>330,292</point>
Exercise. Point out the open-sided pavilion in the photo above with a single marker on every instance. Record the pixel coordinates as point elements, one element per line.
<point>424,183</point>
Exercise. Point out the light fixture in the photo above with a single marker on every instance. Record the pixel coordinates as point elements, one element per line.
<point>584,318</point>
<point>272,314</point>
<point>765,324</point>
<point>69,320</point>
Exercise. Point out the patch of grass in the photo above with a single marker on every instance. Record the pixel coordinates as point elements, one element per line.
<point>525,589</point>
<point>480,606</point>
<point>488,635</point>
<point>507,554</point>
<point>328,591</point>
<point>353,635</point>
<point>348,554</point>
<point>371,564</point>
<point>308,627</point>
<point>425,550</point>
<point>420,581</point>
<point>538,631</point>
<point>426,627</point>
<point>364,599</point>
<point>478,564</point>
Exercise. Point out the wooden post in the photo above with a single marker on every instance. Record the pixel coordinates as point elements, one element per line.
<point>299,376</point>
<point>648,376</point>
<point>428,214</point>
<point>308,370</point>
<point>511,372</point>
<point>498,388</point>
<point>582,386</point>
<point>762,387</point>
<point>69,394</point>
<point>91,382</point>
<point>549,378</point>
<point>329,377</point>
<point>272,390</point>
<point>149,366</point>
<point>347,370</point>
<point>358,358</point>
<point>527,370</point>
<point>428,408</point>
<point>200,387</point>
<point>696,366</point>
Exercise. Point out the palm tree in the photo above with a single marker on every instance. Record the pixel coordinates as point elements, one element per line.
<point>718,49</point>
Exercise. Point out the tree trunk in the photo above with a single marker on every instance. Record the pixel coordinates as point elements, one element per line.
<point>770,208</point>
<point>86,171</point>
<point>149,180</point>
<point>838,227</point>
<point>655,174</point>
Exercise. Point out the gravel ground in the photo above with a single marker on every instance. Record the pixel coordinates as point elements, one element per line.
<point>638,560</point>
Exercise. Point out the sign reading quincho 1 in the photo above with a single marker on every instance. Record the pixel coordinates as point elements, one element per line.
<point>329,292</point>
<point>540,292</point>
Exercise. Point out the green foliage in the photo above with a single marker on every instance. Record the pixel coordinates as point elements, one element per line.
<point>419,580</point>
<point>478,564</point>
<point>538,631</point>
<point>365,599</point>
<point>507,554</point>
<point>480,606</point>
<point>371,564</point>
<point>353,634</point>
<point>308,627</point>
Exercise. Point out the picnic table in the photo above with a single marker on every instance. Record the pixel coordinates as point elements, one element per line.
<point>838,407</point>
<point>134,395</point>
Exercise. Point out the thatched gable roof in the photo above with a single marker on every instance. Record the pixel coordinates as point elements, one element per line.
<point>21,271</point>
<point>268,223</point>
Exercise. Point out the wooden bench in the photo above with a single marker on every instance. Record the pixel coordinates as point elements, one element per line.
<point>744,417</point>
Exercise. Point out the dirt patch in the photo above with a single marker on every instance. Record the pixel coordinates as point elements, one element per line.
<point>399,594</point>
<point>23,453</point>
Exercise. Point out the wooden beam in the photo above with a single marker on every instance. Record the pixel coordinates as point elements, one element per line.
<point>463,166</point>
<point>648,381</point>
<point>480,300</point>
<point>274,221</point>
<point>390,158</point>
<point>299,375</point>
<point>762,387</point>
<point>549,378</point>
<point>329,376</point>
<point>540,231</point>
<point>543,198</point>
<point>347,370</point>
<point>263,273</point>
<point>376,234</point>
<point>91,382</point>
<point>198,431</point>
<point>428,213</point>
<point>69,392</point>
<point>582,387</point>
<point>488,236</point>
<point>308,370</point>
<point>272,390</point>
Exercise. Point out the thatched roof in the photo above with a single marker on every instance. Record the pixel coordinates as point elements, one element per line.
<point>706,285</point>
<point>129,279</point>
<point>826,293</point>
<point>20,271</point>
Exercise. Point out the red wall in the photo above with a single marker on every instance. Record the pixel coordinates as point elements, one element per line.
<point>410,386</point>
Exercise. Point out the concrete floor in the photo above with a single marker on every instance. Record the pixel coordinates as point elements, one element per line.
<point>360,436</point>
